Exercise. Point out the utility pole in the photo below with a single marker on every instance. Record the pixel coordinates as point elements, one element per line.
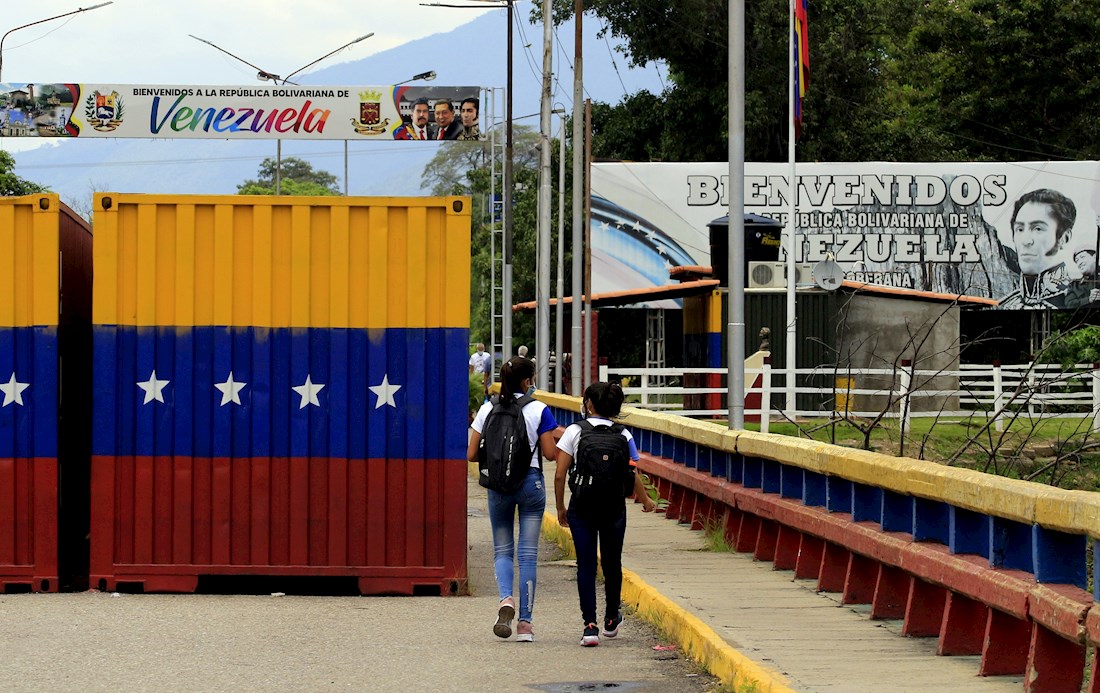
<point>506,271</point>
<point>735,258</point>
<point>575,347</point>
<point>542,305</point>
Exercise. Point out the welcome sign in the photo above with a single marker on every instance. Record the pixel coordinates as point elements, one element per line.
<point>1022,233</point>
<point>239,112</point>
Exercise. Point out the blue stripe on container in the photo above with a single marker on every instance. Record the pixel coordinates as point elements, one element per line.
<point>429,365</point>
<point>29,429</point>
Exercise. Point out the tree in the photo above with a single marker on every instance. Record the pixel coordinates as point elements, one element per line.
<point>298,177</point>
<point>461,168</point>
<point>11,184</point>
<point>1001,82</point>
<point>942,80</point>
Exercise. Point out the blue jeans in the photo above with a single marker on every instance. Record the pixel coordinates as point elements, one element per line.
<point>531,501</point>
<point>607,529</point>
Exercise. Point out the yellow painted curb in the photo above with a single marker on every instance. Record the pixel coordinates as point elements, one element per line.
<point>692,636</point>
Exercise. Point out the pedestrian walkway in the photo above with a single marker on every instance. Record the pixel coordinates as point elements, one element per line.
<point>780,632</point>
<point>737,615</point>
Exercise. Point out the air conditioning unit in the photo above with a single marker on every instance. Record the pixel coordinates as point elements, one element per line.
<point>773,275</point>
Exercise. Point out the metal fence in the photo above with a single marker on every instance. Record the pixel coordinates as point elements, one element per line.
<point>998,391</point>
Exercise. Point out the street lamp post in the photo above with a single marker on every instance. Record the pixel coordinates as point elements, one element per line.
<point>264,75</point>
<point>42,21</point>
<point>506,241</point>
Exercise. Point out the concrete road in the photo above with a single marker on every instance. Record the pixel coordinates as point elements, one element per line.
<point>99,642</point>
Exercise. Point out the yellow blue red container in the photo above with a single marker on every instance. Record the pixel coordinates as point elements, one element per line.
<point>280,388</point>
<point>45,361</point>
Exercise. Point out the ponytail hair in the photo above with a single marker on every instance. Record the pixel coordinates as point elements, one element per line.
<point>512,374</point>
<point>606,399</point>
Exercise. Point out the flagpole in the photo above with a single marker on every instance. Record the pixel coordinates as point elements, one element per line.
<point>792,200</point>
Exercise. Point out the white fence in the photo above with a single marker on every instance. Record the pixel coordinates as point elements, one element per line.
<point>985,390</point>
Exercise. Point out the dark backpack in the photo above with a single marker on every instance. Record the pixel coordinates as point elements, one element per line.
<point>601,474</point>
<point>504,453</point>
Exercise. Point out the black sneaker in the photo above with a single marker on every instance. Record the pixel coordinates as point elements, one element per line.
<point>591,636</point>
<point>611,625</point>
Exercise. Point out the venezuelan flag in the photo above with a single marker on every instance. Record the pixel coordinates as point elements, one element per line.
<point>43,246</point>
<point>280,387</point>
<point>801,49</point>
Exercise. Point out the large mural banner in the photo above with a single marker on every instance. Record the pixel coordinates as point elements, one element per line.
<point>1023,234</point>
<point>240,112</point>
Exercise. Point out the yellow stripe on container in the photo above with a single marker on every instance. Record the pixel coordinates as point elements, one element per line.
<point>29,251</point>
<point>281,261</point>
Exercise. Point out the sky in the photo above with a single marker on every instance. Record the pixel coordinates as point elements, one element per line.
<point>148,42</point>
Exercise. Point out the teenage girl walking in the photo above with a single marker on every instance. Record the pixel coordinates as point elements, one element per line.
<point>598,522</point>
<point>516,379</point>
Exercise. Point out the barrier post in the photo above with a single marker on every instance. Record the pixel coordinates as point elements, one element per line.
<point>1096,396</point>
<point>645,387</point>
<point>998,397</point>
<point>906,383</point>
<point>603,372</point>
<point>766,395</point>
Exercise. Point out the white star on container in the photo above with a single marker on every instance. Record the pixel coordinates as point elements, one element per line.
<point>231,391</point>
<point>13,391</point>
<point>154,389</point>
<point>308,390</point>
<point>385,392</point>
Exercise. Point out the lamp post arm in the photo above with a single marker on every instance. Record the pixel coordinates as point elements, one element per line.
<point>326,55</point>
<point>43,21</point>
<point>236,57</point>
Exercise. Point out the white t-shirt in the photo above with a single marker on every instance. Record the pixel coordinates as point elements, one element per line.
<point>481,361</point>
<point>536,415</point>
<point>569,439</point>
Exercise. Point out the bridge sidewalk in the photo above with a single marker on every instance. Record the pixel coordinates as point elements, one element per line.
<point>808,639</point>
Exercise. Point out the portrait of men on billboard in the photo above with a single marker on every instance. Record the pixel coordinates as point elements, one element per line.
<point>1086,289</point>
<point>418,127</point>
<point>468,111</point>
<point>447,125</point>
<point>1042,226</point>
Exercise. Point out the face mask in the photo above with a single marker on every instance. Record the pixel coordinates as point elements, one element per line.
<point>530,390</point>
<point>584,410</point>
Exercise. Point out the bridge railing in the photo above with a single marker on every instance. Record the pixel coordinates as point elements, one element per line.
<point>984,390</point>
<point>990,566</point>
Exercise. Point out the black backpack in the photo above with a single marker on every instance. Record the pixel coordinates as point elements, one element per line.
<point>601,474</point>
<point>504,453</point>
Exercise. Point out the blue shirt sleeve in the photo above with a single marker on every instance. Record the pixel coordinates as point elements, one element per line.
<point>633,449</point>
<point>547,422</point>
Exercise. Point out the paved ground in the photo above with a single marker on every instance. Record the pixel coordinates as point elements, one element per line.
<point>98,642</point>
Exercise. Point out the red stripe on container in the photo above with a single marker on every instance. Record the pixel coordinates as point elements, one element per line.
<point>184,516</point>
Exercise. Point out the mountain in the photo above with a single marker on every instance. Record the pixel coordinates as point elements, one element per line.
<point>473,53</point>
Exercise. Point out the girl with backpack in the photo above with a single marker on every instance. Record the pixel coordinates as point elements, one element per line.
<point>599,458</point>
<point>529,498</point>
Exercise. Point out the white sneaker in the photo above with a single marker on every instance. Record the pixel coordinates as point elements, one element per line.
<point>524,632</point>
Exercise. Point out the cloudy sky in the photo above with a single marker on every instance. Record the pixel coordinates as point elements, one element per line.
<point>147,42</point>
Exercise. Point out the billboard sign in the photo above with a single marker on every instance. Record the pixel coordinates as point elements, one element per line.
<point>1024,234</point>
<point>286,111</point>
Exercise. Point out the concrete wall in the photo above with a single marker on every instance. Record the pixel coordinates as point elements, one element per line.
<point>879,332</point>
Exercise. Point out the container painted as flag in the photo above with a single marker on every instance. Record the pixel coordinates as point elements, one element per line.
<point>280,388</point>
<point>45,310</point>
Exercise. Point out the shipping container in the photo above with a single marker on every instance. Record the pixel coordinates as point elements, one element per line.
<point>45,362</point>
<point>280,389</point>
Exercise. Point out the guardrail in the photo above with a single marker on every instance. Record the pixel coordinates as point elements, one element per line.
<point>986,390</point>
<point>990,566</point>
